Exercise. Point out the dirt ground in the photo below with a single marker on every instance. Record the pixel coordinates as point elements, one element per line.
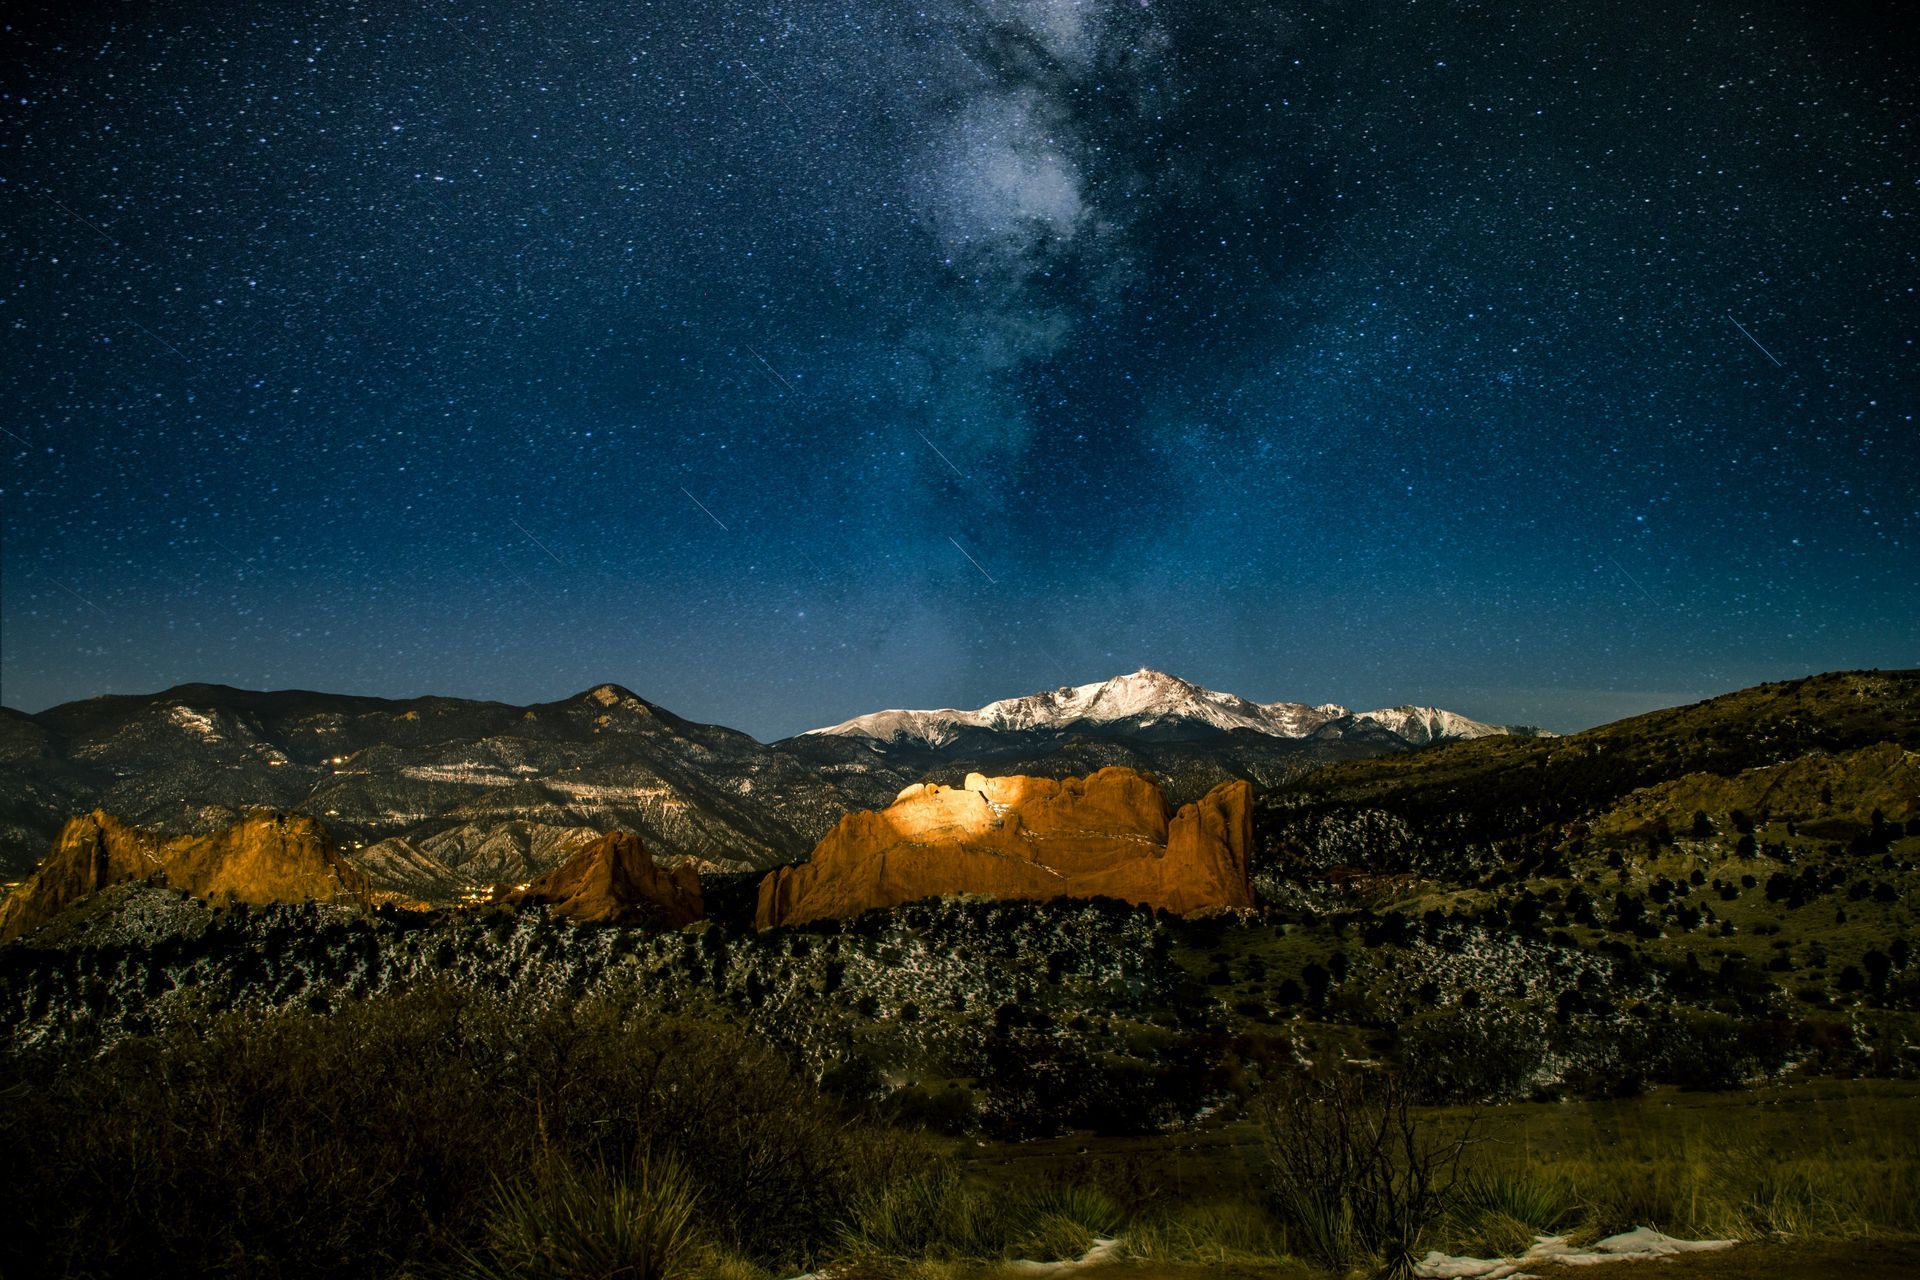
<point>1849,1260</point>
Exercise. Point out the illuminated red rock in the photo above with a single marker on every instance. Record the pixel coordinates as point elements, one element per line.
<point>1104,835</point>
<point>265,857</point>
<point>614,880</point>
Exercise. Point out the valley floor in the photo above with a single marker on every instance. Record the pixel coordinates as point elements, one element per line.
<point>1696,1136</point>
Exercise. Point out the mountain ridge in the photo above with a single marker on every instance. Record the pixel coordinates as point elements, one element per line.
<point>442,775</point>
<point>436,797</point>
<point>1154,701</point>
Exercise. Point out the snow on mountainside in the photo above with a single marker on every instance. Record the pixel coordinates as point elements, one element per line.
<point>1419,725</point>
<point>1152,700</point>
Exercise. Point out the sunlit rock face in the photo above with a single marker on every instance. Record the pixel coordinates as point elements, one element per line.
<point>614,880</point>
<point>264,857</point>
<point>1105,835</point>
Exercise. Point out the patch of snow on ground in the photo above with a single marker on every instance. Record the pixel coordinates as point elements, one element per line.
<point>1638,1245</point>
<point>1103,1250</point>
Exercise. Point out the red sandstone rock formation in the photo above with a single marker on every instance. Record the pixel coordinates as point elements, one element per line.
<point>614,881</point>
<point>1107,834</point>
<point>264,857</point>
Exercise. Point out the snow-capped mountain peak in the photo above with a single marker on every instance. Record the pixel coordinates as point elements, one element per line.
<point>1144,697</point>
<point>1153,702</point>
<point>1421,725</point>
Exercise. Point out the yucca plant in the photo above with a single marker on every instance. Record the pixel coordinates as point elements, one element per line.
<point>1087,1206</point>
<point>569,1223</point>
<point>1064,1219</point>
<point>934,1213</point>
<point>1540,1203</point>
<point>1319,1224</point>
<point>1502,1212</point>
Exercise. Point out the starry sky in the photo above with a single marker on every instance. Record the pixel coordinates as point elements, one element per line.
<point>784,361</point>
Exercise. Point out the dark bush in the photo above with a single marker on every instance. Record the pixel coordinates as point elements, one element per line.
<point>371,1140</point>
<point>1356,1175</point>
<point>1468,1055</point>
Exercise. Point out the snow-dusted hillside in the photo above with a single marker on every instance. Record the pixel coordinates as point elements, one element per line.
<point>1154,702</point>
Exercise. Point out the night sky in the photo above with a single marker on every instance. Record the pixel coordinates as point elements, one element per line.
<point>782,362</point>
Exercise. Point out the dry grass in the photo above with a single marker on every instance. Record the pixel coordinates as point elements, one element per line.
<point>1831,1162</point>
<point>1834,1161</point>
<point>397,1132</point>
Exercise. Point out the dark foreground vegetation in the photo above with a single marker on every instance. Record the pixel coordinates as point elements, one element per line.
<point>1018,1020</point>
<point>432,1126</point>
<point>447,1132</point>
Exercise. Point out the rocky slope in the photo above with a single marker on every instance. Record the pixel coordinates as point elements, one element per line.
<point>265,857</point>
<point>1467,807</point>
<point>614,880</point>
<point>1106,835</point>
<point>472,792</point>
<point>1821,794</point>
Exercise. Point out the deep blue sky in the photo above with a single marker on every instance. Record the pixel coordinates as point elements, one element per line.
<point>1362,352</point>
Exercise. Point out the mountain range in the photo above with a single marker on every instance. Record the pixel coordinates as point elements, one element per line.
<point>433,796</point>
<point>1154,706</point>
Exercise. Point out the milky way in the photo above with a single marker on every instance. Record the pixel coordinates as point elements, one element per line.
<point>1547,362</point>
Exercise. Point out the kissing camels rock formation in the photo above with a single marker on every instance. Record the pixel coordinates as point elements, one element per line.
<point>1105,835</point>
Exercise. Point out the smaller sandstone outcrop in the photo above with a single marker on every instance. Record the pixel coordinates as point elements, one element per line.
<point>1104,835</point>
<point>614,880</point>
<point>264,857</point>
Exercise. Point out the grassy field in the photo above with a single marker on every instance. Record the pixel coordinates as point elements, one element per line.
<point>1830,1161</point>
